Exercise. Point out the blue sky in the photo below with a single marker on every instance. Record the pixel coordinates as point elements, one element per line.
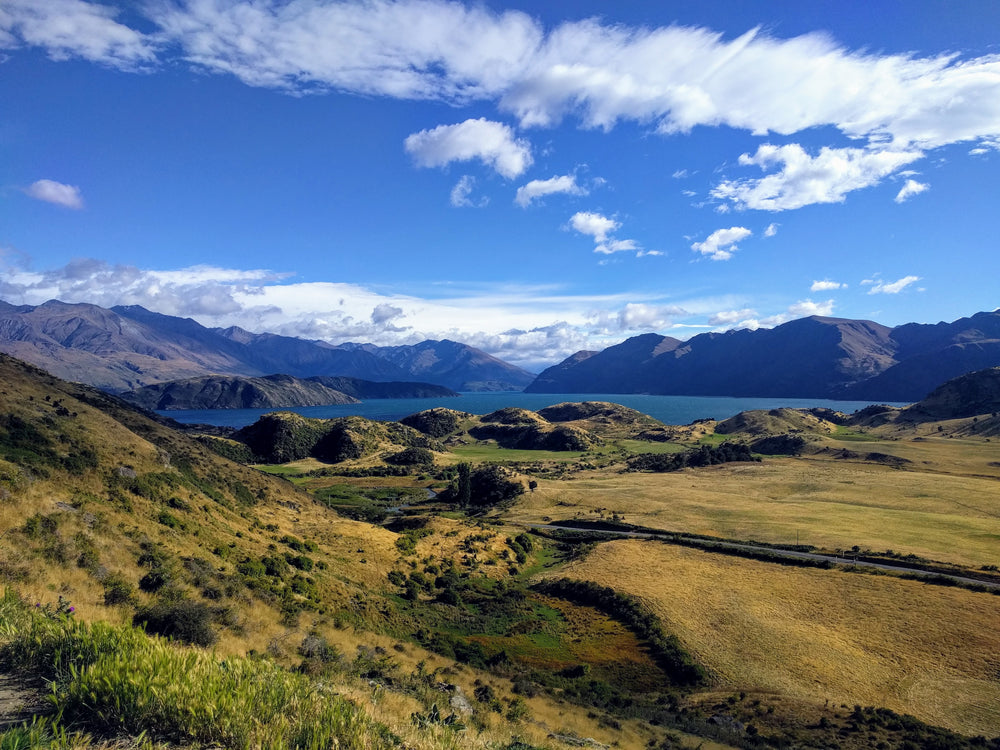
<point>530,178</point>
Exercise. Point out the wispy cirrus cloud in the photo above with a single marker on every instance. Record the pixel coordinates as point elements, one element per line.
<point>461,194</point>
<point>889,287</point>
<point>671,78</point>
<point>51,191</point>
<point>492,143</point>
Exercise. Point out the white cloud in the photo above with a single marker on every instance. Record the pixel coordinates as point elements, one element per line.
<point>674,78</point>
<point>721,244</point>
<point>594,224</point>
<point>462,192</point>
<point>826,285</point>
<point>805,308</point>
<point>540,188</point>
<point>911,188</point>
<point>889,287</point>
<point>56,192</point>
<point>637,317</point>
<point>541,324</point>
<point>74,28</point>
<point>612,246</point>
<point>601,228</point>
<point>771,230</point>
<point>493,143</point>
<point>730,318</point>
<point>804,180</point>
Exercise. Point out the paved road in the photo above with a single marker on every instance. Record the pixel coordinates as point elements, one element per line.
<point>785,553</point>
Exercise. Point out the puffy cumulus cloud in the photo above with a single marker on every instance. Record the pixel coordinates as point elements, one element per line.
<point>804,180</point>
<point>636,316</point>
<point>889,287</point>
<point>721,244</point>
<point>601,228</point>
<point>805,308</point>
<point>800,309</point>
<point>596,225</point>
<point>56,192</point>
<point>539,188</point>
<point>826,286</point>
<point>73,28</point>
<point>198,291</point>
<point>493,143</point>
<point>533,349</point>
<point>734,318</point>
<point>771,230</point>
<point>909,189</point>
<point>385,313</point>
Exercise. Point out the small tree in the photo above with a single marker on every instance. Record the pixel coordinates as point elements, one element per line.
<point>491,484</point>
<point>464,487</point>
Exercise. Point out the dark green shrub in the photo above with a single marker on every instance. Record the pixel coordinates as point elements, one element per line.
<point>118,590</point>
<point>411,457</point>
<point>183,620</point>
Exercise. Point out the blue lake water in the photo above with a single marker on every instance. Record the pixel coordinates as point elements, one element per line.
<point>668,409</point>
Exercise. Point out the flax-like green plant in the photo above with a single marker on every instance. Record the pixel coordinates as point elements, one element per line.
<point>111,679</point>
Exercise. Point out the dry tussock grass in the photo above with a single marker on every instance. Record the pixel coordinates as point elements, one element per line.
<point>925,650</point>
<point>827,503</point>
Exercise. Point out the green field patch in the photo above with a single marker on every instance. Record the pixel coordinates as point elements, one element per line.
<point>648,446</point>
<point>846,433</point>
<point>493,452</point>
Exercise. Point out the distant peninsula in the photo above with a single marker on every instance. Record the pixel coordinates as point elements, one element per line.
<point>272,391</point>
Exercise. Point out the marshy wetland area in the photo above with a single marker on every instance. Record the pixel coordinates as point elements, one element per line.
<point>580,576</point>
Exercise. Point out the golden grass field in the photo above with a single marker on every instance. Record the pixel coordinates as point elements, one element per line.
<point>816,635</point>
<point>944,506</point>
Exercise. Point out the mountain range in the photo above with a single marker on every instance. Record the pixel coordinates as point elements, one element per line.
<point>127,347</point>
<point>814,357</point>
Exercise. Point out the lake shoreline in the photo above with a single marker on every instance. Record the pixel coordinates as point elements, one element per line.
<point>673,410</point>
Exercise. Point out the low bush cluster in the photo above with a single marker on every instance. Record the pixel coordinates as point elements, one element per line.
<point>703,455</point>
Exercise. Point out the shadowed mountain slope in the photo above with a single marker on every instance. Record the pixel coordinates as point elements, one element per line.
<point>813,357</point>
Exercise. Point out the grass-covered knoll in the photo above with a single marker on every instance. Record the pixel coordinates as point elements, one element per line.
<point>824,637</point>
<point>778,421</point>
<point>572,427</point>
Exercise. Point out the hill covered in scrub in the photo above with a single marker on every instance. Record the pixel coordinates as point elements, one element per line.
<point>272,391</point>
<point>563,427</point>
<point>281,437</point>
